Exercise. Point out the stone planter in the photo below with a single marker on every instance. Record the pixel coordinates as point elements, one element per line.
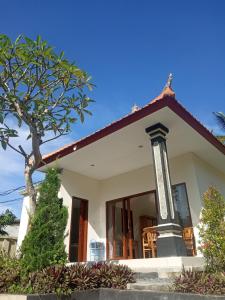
<point>111,294</point>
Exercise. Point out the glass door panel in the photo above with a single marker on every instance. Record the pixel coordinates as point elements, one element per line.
<point>119,230</point>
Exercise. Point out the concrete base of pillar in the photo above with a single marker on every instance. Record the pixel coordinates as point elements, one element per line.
<point>170,246</point>
<point>170,241</point>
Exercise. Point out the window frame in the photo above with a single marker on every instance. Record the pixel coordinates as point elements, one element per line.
<point>188,203</point>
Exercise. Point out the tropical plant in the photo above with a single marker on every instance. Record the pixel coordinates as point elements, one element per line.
<point>6,218</point>
<point>200,283</point>
<point>42,93</point>
<point>212,230</point>
<point>112,276</point>
<point>10,272</point>
<point>44,243</point>
<point>220,117</point>
<point>63,279</point>
<point>221,138</point>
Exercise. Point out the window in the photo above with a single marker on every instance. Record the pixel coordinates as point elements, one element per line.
<point>181,204</point>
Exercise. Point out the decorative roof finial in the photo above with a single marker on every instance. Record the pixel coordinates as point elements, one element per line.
<point>167,91</point>
<point>169,81</point>
<point>134,108</point>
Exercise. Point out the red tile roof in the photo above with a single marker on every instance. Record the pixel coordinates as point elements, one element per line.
<point>165,99</point>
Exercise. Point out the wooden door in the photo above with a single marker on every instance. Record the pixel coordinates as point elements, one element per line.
<point>120,224</point>
<point>78,232</point>
<point>130,235</point>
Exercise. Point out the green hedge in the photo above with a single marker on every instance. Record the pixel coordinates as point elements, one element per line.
<point>212,239</point>
<point>212,230</point>
<point>43,245</point>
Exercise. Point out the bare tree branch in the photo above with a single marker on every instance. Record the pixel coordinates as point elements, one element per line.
<point>15,149</point>
<point>22,151</point>
<point>53,138</point>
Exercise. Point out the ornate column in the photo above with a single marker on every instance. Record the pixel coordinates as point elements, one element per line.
<point>170,241</point>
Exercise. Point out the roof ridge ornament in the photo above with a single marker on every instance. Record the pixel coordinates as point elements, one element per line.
<point>167,91</point>
<point>134,108</point>
<point>169,81</point>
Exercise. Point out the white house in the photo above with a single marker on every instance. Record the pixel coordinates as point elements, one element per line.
<point>148,169</point>
<point>8,241</point>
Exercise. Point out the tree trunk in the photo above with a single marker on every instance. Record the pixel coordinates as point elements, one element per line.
<point>30,189</point>
<point>30,166</point>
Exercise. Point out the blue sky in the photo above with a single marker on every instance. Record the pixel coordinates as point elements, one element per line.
<point>128,47</point>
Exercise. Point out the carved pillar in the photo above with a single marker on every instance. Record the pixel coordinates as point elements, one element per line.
<point>170,241</point>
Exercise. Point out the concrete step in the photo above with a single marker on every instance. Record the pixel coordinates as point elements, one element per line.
<point>150,281</point>
<point>151,285</point>
<point>139,276</point>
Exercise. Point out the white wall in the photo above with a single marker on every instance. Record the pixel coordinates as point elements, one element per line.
<point>207,176</point>
<point>80,186</point>
<point>24,222</point>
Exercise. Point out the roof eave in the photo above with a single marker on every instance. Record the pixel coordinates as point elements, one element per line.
<point>155,105</point>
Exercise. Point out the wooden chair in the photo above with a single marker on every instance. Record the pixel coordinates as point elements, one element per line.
<point>189,240</point>
<point>149,243</point>
<point>146,221</point>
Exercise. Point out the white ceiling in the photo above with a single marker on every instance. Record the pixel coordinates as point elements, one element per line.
<point>119,152</point>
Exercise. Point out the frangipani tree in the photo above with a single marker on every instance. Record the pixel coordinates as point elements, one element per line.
<point>41,91</point>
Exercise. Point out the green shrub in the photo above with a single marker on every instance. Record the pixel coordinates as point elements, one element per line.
<point>112,276</point>
<point>212,230</point>
<point>212,239</point>
<point>80,277</point>
<point>62,279</point>
<point>200,283</point>
<point>66,279</point>
<point>49,280</point>
<point>10,271</point>
<point>44,244</point>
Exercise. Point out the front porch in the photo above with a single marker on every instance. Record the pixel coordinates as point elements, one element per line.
<point>107,201</point>
<point>148,223</point>
<point>120,181</point>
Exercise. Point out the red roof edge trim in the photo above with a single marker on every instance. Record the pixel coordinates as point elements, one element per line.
<point>139,114</point>
<point>175,106</point>
<point>152,107</point>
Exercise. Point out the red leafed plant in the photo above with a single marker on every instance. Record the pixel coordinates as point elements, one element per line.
<point>200,283</point>
<point>65,279</point>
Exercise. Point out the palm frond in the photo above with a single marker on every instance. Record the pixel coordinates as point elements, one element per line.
<point>220,117</point>
<point>221,138</point>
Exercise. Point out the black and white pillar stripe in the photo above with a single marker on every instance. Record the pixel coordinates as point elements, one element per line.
<point>170,242</point>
